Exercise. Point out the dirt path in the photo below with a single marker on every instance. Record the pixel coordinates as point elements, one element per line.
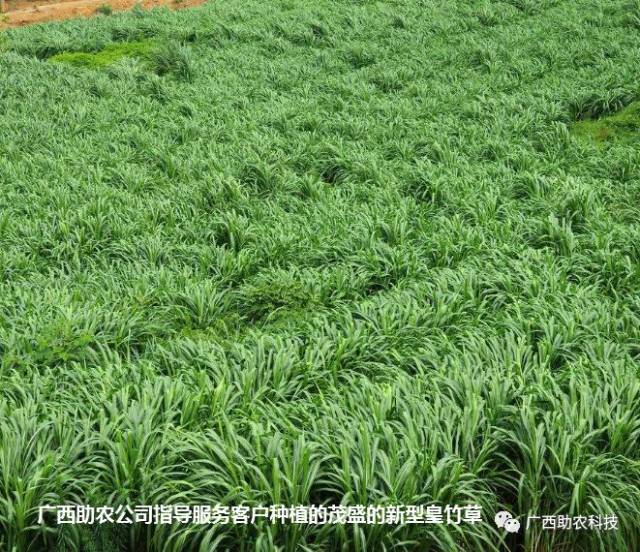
<point>25,12</point>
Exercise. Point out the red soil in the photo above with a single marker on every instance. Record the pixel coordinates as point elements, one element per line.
<point>24,12</point>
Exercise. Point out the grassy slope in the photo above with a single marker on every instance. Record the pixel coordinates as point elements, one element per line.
<point>359,257</point>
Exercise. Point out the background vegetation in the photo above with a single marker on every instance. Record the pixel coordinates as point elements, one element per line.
<point>322,252</point>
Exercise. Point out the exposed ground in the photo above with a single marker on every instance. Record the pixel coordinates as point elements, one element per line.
<point>26,12</point>
<point>322,252</point>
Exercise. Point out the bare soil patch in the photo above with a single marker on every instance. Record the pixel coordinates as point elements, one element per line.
<point>25,12</point>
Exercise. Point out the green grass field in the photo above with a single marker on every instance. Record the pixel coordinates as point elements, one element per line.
<point>322,252</point>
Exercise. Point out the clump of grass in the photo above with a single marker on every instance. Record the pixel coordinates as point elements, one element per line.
<point>359,56</point>
<point>105,9</point>
<point>173,58</point>
<point>601,104</point>
<point>398,22</point>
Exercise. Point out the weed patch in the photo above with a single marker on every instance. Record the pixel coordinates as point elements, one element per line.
<point>621,127</point>
<point>108,56</point>
<point>170,58</point>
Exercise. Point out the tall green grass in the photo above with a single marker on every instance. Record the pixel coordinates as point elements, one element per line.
<point>321,253</point>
